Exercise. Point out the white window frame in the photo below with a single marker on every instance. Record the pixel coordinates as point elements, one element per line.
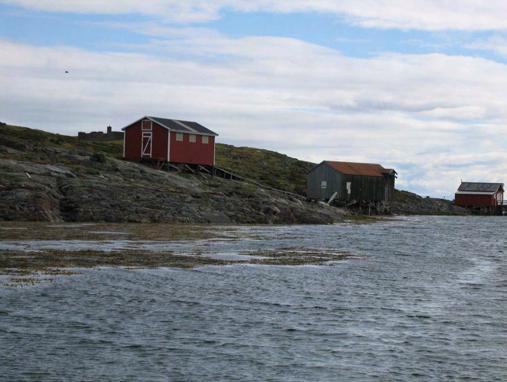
<point>179,137</point>
<point>204,139</point>
<point>192,138</point>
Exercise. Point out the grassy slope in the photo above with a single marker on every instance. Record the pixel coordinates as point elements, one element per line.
<point>266,167</point>
<point>23,138</point>
<point>263,166</point>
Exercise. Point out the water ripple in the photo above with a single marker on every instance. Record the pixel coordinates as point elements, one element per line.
<point>423,298</point>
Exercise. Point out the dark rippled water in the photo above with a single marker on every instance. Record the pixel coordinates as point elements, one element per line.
<point>420,299</point>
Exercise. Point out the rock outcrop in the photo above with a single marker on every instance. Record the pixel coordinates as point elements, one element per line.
<point>408,203</point>
<point>51,178</point>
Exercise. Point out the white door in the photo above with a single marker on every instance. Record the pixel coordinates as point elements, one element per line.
<point>147,139</point>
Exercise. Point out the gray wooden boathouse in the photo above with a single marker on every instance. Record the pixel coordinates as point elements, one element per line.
<point>351,183</point>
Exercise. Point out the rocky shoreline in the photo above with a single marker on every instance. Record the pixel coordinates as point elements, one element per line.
<point>112,190</point>
<point>408,203</point>
<point>54,178</point>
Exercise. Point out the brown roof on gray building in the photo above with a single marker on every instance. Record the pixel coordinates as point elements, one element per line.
<point>362,169</point>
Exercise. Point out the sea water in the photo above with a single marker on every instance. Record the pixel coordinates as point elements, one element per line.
<point>421,298</point>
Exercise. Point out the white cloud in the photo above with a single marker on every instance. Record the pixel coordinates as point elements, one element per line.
<point>496,44</point>
<point>436,118</point>
<point>400,14</point>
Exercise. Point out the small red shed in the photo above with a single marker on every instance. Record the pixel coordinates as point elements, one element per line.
<point>169,140</point>
<point>480,195</point>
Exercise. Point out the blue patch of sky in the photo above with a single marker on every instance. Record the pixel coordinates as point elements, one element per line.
<point>338,33</point>
<point>95,32</point>
<point>77,30</point>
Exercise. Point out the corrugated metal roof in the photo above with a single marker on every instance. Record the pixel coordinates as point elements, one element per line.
<point>363,169</point>
<point>480,187</point>
<point>183,126</point>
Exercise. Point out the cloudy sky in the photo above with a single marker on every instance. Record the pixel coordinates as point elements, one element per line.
<point>418,85</point>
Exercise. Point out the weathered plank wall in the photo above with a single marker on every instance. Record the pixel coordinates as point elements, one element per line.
<point>363,188</point>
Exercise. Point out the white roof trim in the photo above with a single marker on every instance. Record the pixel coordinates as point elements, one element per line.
<point>133,123</point>
<point>192,131</point>
<point>476,193</point>
<point>185,126</point>
<point>159,123</point>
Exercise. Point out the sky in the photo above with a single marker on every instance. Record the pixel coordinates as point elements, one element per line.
<point>416,85</point>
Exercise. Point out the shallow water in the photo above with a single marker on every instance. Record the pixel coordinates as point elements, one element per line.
<point>421,298</point>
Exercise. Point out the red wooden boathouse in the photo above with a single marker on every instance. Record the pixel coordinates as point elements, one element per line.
<point>480,196</point>
<point>169,140</point>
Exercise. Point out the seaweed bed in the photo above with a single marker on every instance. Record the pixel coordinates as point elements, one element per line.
<point>29,266</point>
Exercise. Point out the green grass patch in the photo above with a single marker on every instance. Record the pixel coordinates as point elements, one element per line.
<point>266,167</point>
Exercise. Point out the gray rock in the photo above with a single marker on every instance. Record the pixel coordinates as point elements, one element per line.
<point>105,189</point>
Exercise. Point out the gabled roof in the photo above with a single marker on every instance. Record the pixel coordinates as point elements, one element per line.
<point>474,187</point>
<point>179,126</point>
<point>362,169</point>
